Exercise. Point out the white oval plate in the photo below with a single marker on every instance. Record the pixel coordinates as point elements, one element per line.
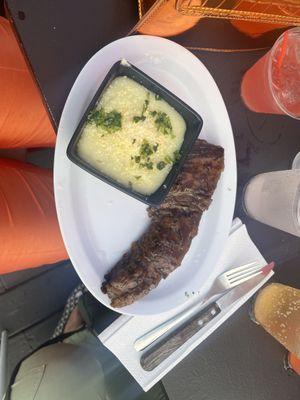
<point>98,222</point>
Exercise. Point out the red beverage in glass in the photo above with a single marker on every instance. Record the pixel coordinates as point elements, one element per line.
<point>294,363</point>
<point>272,85</point>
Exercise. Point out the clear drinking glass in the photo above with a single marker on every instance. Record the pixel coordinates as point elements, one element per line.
<point>277,310</point>
<point>272,85</point>
<point>273,199</point>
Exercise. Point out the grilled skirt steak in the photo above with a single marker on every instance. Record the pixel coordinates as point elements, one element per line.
<point>174,224</point>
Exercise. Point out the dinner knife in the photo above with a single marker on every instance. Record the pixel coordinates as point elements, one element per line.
<point>163,349</point>
<point>218,289</point>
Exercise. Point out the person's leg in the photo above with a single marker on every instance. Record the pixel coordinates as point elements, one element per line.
<point>119,384</point>
<point>29,230</point>
<point>24,121</point>
<point>78,368</point>
<point>61,371</point>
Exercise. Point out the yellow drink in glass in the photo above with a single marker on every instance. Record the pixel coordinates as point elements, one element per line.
<point>277,310</point>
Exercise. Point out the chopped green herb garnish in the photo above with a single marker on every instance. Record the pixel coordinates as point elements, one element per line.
<point>161,165</point>
<point>145,106</point>
<point>147,97</point>
<point>157,97</point>
<point>146,149</point>
<point>177,156</point>
<point>138,118</point>
<point>138,177</point>
<point>162,122</point>
<point>168,160</point>
<point>111,121</point>
<point>149,165</point>
<point>94,116</point>
<point>134,140</point>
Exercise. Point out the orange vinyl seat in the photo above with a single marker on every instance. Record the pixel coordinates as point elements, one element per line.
<point>23,119</point>
<point>29,230</point>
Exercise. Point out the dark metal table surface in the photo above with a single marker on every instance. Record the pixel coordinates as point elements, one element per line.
<point>239,361</point>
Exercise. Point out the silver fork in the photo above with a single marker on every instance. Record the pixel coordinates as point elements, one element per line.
<point>222,284</point>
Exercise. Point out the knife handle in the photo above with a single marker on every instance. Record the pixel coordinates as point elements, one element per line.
<point>161,351</point>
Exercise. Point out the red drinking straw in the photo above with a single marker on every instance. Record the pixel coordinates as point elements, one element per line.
<point>283,48</point>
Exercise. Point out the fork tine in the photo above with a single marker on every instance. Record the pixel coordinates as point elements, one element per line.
<point>244,275</point>
<point>238,282</point>
<point>245,271</point>
<point>241,268</point>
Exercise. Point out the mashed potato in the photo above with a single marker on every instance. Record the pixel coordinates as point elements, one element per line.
<point>133,136</point>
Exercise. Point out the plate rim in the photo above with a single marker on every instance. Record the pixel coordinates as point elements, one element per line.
<point>56,161</point>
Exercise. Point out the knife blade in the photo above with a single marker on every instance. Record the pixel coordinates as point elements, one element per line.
<point>172,342</point>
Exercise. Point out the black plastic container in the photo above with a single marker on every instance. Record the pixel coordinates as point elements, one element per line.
<point>193,122</point>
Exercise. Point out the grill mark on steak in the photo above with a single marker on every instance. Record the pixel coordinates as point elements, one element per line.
<point>175,222</point>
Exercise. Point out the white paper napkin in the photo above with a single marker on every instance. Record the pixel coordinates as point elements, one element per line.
<point>120,336</point>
